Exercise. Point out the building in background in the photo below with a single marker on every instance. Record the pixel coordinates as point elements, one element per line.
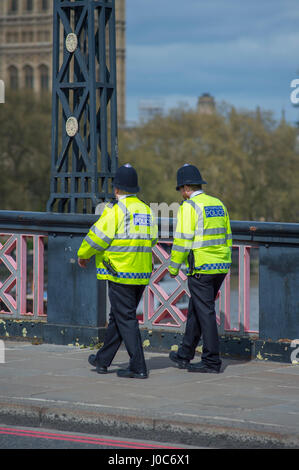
<point>148,109</point>
<point>26,47</point>
<point>121,59</point>
<point>206,104</point>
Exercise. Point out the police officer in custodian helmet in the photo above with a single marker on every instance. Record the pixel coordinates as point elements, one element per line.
<point>122,241</point>
<point>202,241</point>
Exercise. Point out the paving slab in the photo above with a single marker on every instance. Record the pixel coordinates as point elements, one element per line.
<point>250,404</point>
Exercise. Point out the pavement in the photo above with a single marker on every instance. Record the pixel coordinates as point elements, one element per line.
<point>251,404</point>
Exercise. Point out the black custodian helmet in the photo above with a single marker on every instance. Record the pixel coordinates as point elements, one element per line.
<point>188,174</point>
<point>126,178</point>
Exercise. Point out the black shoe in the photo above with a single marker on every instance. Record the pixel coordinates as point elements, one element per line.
<point>127,373</point>
<point>203,368</point>
<point>93,362</point>
<point>102,370</point>
<point>180,363</point>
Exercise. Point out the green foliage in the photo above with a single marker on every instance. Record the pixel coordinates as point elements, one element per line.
<point>248,159</point>
<point>25,149</point>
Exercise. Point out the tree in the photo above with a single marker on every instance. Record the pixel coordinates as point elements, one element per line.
<point>247,158</point>
<point>25,148</point>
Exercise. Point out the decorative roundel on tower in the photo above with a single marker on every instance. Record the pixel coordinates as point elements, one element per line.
<point>71,42</point>
<point>71,126</point>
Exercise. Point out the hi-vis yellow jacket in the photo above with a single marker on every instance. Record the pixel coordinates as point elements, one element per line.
<point>203,237</point>
<point>122,241</point>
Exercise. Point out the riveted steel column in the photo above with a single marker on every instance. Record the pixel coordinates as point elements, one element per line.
<point>84,157</point>
<point>84,128</point>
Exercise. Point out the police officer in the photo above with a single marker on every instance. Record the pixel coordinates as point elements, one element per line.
<point>202,241</point>
<point>122,241</point>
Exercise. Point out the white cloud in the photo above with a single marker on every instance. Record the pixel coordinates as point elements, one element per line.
<point>243,53</point>
<point>278,50</point>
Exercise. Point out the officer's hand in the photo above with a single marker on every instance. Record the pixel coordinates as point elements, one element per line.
<point>83,262</point>
<point>173,276</point>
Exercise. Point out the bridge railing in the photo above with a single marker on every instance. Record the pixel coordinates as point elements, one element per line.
<point>165,302</point>
<point>22,267</point>
<point>29,281</point>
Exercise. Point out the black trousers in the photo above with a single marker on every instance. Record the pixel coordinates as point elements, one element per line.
<point>123,326</point>
<point>201,319</point>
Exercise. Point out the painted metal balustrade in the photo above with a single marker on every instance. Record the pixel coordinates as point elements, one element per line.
<point>21,288</point>
<point>258,297</point>
<point>23,291</point>
<point>167,308</point>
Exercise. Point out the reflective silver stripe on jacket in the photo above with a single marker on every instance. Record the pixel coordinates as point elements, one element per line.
<point>214,231</point>
<point>101,235</point>
<point>126,249</point>
<point>134,236</point>
<point>183,236</point>
<point>199,226</point>
<point>182,249</point>
<point>195,207</point>
<point>174,265</point>
<point>216,241</point>
<point>198,211</point>
<point>93,244</point>
<point>209,231</point>
<point>127,217</point>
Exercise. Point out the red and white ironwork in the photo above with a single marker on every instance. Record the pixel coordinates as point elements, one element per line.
<point>16,300</point>
<point>160,309</point>
<point>22,287</point>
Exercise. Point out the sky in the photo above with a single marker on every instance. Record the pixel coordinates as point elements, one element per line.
<point>243,52</point>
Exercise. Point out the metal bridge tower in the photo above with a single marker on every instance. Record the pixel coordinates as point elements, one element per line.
<point>84,105</point>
